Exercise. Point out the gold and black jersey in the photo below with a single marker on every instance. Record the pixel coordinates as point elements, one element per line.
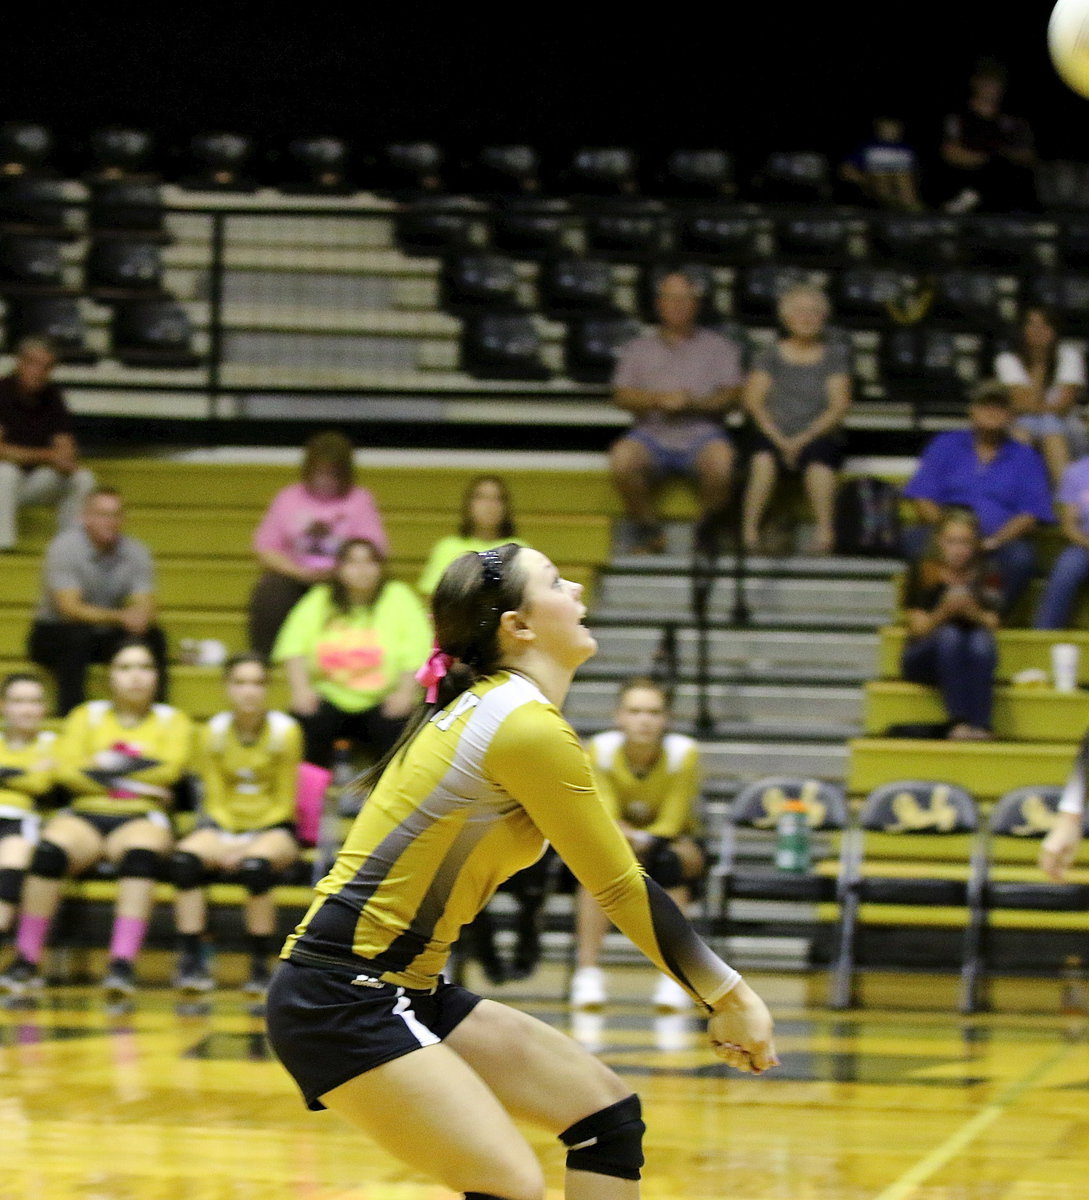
<point>665,800</point>
<point>249,785</point>
<point>472,800</point>
<point>26,772</point>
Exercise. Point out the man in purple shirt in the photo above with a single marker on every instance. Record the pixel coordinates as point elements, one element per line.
<point>1003,481</point>
<point>677,382</point>
<point>39,461</point>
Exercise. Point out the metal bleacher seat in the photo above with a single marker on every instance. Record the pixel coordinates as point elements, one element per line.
<point>512,170</point>
<point>592,345</point>
<point>58,318</point>
<point>698,175</point>
<point>757,291</point>
<point>532,228</point>
<point>31,266</point>
<point>123,269</point>
<point>628,230</point>
<point>577,287</point>
<point>794,177</point>
<point>1008,887</point>
<point>1009,242</point>
<point>813,239</point>
<point>870,296</point>
<point>1072,243</point>
<point>975,300</point>
<point>1063,185</point>
<point>153,333</point>
<point>410,169</point>
<point>603,171</point>
<point>910,848</point>
<point>25,146</point>
<point>317,166</point>
<point>1066,294</point>
<point>219,161</point>
<point>128,208</point>
<point>917,240</point>
<point>120,152</point>
<point>432,225</point>
<point>33,205</point>
<point>502,346</point>
<point>471,282</point>
<point>723,235</point>
<point>927,367</point>
<point>756,809</point>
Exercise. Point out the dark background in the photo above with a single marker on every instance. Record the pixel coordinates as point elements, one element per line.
<point>749,78</point>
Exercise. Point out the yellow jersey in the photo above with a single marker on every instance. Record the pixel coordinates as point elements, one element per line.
<point>26,773</point>
<point>105,764</point>
<point>665,801</point>
<point>469,802</point>
<point>249,785</point>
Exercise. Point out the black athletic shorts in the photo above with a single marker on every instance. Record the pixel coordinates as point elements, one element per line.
<point>106,823</point>
<point>328,1026</point>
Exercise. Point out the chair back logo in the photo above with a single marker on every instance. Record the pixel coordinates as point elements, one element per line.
<point>774,798</point>
<point>918,810</point>
<point>1037,817</point>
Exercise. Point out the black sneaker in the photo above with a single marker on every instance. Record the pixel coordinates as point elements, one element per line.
<point>258,982</point>
<point>120,983</point>
<point>22,976</point>
<point>192,976</point>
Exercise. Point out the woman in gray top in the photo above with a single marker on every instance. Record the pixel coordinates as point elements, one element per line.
<point>797,396</point>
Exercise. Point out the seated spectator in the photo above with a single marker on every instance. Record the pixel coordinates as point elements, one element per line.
<point>649,779</point>
<point>98,590</point>
<point>1001,480</point>
<point>678,382</point>
<point>885,168</point>
<point>797,396</point>
<point>351,648</point>
<point>298,537</point>
<point>120,760</point>
<point>486,522</point>
<point>39,460</point>
<point>247,763</point>
<point>1046,378</point>
<point>989,155</point>
<point>26,775</point>
<point>952,614</point>
<point>1071,569</point>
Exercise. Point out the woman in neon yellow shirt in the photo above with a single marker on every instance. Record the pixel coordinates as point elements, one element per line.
<point>350,648</point>
<point>487,521</point>
<point>119,759</point>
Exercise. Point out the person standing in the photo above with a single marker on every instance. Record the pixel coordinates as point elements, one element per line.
<point>677,382</point>
<point>98,590</point>
<point>358,1010</point>
<point>39,459</point>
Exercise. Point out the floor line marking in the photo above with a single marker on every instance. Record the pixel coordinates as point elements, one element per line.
<point>969,1131</point>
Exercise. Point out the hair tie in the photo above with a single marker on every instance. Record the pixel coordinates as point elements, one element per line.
<point>433,672</point>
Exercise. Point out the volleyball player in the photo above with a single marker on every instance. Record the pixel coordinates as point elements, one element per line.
<point>487,770</point>
<point>248,766</point>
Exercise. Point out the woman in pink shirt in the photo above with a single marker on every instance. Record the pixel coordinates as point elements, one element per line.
<point>304,527</point>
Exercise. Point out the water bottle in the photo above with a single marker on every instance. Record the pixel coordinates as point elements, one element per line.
<point>793,851</point>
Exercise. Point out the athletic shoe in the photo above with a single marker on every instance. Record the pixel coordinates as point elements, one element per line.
<point>588,988</point>
<point>257,984</point>
<point>120,983</point>
<point>21,977</point>
<point>192,976</point>
<point>669,996</point>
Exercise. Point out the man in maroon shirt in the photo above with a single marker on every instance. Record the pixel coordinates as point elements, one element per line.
<point>39,461</point>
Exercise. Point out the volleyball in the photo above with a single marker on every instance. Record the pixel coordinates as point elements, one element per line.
<point>1068,43</point>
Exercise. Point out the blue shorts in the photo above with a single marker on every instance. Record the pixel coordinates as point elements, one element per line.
<point>666,460</point>
<point>328,1026</point>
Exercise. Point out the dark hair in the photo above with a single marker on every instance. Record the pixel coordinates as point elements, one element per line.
<point>9,681</point>
<point>246,658</point>
<point>1021,349</point>
<point>473,594</point>
<point>338,590</point>
<point>990,391</point>
<point>331,450</point>
<point>644,681</point>
<point>506,522</point>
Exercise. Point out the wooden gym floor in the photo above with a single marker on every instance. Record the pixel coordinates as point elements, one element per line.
<point>882,1103</point>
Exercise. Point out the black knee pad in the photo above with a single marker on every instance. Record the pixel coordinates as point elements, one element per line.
<point>11,884</point>
<point>663,865</point>
<point>49,861</point>
<point>139,864</point>
<point>256,875</point>
<point>481,1196</point>
<point>609,1141</point>
<point>186,870</point>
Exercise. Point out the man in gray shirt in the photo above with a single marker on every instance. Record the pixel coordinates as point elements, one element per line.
<point>97,591</point>
<point>677,382</point>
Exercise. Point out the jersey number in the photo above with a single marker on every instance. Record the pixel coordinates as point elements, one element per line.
<point>464,702</point>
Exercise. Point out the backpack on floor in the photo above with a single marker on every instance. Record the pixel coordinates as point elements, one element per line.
<point>868,518</point>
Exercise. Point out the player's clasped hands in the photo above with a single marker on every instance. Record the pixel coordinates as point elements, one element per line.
<point>741,1031</point>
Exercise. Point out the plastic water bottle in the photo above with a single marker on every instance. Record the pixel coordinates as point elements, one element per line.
<point>793,849</point>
